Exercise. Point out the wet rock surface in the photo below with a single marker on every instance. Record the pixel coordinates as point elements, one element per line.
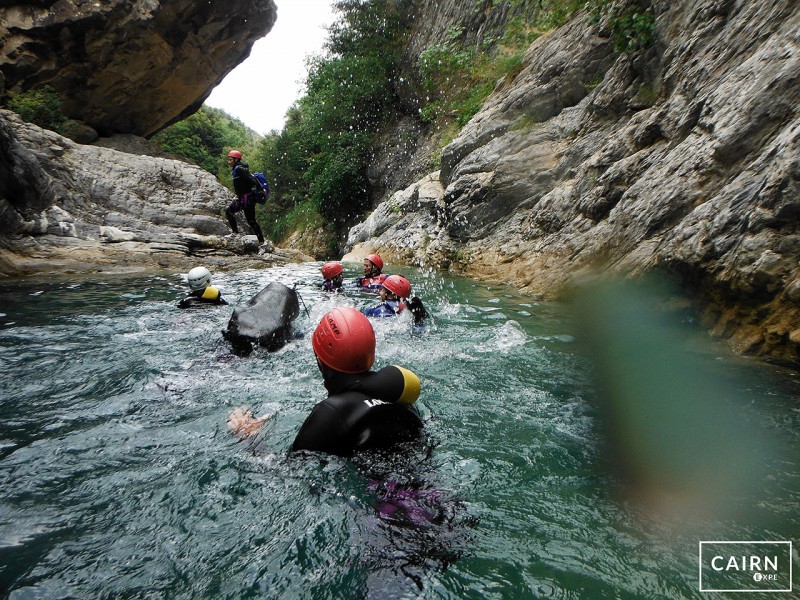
<point>680,158</point>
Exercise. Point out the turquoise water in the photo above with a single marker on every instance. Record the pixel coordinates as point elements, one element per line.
<point>120,480</point>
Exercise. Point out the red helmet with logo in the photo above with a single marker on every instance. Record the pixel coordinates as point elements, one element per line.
<point>375,260</point>
<point>345,341</point>
<point>331,269</point>
<point>235,154</point>
<point>398,285</point>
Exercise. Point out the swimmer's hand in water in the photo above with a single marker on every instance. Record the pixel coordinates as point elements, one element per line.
<point>242,423</point>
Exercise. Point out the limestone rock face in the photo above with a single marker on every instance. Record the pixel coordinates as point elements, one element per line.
<point>72,207</point>
<point>684,157</point>
<point>432,22</point>
<point>128,66</point>
<point>405,151</point>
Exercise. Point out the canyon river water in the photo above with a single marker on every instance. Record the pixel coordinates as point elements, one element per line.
<point>120,480</point>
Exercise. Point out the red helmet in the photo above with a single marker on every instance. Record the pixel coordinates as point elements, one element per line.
<point>331,269</point>
<point>398,285</point>
<point>345,341</point>
<point>235,154</point>
<point>375,260</point>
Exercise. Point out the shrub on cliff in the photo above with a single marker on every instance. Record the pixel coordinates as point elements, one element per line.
<point>40,106</point>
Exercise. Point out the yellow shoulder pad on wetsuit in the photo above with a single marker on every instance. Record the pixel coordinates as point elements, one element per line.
<point>210,293</point>
<point>411,387</point>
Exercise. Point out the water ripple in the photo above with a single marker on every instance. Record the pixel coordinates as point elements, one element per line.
<point>120,481</point>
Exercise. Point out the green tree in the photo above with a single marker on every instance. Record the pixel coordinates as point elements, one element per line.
<point>205,137</point>
<point>319,160</point>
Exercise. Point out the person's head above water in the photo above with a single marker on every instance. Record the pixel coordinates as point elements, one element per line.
<point>373,265</point>
<point>398,285</point>
<point>333,274</point>
<point>344,341</point>
<point>331,270</point>
<point>198,278</point>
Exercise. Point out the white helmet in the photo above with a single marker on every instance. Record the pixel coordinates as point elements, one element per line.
<point>199,278</point>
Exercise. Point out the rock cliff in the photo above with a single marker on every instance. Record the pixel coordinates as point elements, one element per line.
<point>67,207</point>
<point>127,66</point>
<point>684,158</point>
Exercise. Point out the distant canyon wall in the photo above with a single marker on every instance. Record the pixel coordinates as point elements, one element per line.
<point>682,158</point>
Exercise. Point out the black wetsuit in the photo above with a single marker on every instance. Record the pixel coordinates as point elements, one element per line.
<point>363,411</point>
<point>329,285</point>
<point>206,296</point>
<point>245,186</point>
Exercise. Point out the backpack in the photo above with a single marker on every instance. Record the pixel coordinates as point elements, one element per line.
<point>262,181</point>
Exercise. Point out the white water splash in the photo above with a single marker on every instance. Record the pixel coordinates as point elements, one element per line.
<point>509,335</point>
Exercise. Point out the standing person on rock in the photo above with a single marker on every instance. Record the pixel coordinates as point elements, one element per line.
<point>247,190</point>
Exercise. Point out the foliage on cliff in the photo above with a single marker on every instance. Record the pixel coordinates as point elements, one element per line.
<point>318,162</point>
<point>205,137</point>
<point>457,77</point>
<point>42,106</point>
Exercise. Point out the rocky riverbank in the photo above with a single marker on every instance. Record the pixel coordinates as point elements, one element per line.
<point>70,207</point>
<point>683,158</point>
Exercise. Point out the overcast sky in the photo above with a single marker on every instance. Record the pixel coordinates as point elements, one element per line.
<point>277,62</point>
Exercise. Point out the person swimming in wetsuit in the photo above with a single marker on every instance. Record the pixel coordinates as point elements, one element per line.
<point>373,278</point>
<point>334,276</point>
<point>395,298</point>
<point>202,292</point>
<point>364,409</point>
<point>394,291</point>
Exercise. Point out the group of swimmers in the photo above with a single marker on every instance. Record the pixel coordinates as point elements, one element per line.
<point>395,290</point>
<point>364,409</point>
